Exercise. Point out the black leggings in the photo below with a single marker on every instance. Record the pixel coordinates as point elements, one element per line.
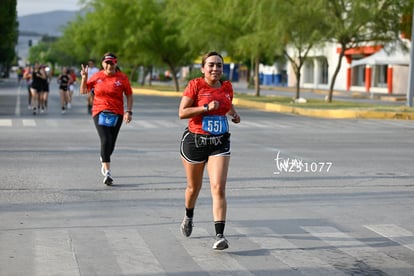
<point>108,136</point>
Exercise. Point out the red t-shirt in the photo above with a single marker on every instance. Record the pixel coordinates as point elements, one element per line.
<point>73,75</point>
<point>202,93</point>
<point>109,92</point>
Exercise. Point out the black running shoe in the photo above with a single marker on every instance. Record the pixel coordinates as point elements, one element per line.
<point>221,242</point>
<point>108,179</point>
<point>187,226</point>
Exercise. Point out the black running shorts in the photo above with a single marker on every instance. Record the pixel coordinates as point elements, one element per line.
<point>196,148</point>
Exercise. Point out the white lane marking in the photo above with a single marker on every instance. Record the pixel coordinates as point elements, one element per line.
<point>5,122</point>
<point>53,254</point>
<point>298,259</point>
<point>394,233</point>
<point>359,250</point>
<point>144,124</point>
<point>133,254</point>
<point>29,122</point>
<point>211,261</point>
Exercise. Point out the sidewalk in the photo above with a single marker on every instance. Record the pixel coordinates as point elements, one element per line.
<point>241,87</point>
<point>321,94</point>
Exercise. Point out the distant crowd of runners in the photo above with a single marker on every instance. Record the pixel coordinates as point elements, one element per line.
<point>38,78</point>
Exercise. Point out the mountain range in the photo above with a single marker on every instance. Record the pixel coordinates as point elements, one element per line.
<point>47,23</point>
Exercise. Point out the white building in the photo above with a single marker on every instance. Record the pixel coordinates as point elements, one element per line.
<point>370,69</point>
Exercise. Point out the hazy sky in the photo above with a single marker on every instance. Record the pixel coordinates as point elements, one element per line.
<point>25,7</point>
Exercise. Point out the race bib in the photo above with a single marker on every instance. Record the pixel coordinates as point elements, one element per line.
<point>107,119</point>
<point>215,125</point>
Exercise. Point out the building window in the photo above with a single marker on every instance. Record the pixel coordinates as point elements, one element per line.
<point>308,71</point>
<point>324,73</point>
<point>380,76</point>
<point>358,75</point>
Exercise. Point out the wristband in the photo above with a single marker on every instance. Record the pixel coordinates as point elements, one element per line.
<point>206,107</point>
<point>129,112</point>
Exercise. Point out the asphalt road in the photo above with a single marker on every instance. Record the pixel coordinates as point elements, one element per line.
<point>306,196</point>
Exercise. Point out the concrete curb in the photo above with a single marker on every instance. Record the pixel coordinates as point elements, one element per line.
<point>319,113</point>
<point>150,92</point>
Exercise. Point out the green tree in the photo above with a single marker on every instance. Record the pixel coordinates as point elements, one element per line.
<point>303,28</point>
<point>39,53</point>
<point>75,46</point>
<point>8,33</point>
<point>140,32</point>
<point>95,31</point>
<point>154,35</point>
<point>173,33</point>
<point>242,29</point>
<point>364,22</point>
<point>258,21</point>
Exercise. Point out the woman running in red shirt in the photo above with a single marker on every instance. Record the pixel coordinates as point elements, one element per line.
<point>109,87</point>
<point>206,102</point>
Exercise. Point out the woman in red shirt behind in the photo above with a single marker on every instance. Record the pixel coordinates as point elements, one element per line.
<point>109,87</point>
<point>206,102</point>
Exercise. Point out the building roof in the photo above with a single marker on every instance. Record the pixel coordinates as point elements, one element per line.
<point>397,56</point>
